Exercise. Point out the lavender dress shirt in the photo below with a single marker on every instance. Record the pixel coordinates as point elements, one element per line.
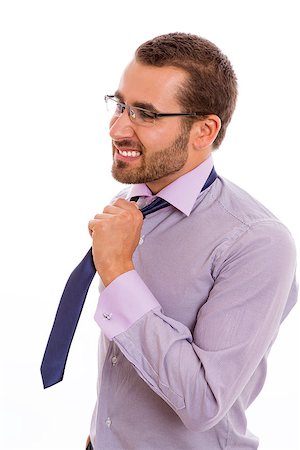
<point>185,336</point>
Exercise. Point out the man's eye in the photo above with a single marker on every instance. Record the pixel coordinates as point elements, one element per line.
<point>146,115</point>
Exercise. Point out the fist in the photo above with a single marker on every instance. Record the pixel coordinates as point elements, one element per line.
<point>116,234</point>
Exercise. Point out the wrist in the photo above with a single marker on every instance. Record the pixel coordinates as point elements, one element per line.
<point>109,274</point>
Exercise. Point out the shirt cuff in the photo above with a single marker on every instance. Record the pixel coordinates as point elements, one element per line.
<point>123,302</point>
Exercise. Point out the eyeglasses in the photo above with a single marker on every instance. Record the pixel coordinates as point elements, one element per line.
<point>137,115</point>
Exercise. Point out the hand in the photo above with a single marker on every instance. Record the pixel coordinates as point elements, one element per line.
<point>116,234</point>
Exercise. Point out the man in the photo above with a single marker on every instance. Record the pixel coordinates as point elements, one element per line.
<point>191,297</point>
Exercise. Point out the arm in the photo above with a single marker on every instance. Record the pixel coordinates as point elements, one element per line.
<point>201,374</point>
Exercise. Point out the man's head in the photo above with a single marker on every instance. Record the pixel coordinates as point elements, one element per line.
<point>211,84</point>
<point>173,73</point>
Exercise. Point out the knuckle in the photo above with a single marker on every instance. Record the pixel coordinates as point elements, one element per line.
<point>118,201</point>
<point>126,216</point>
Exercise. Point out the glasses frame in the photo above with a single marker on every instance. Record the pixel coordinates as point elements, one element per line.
<point>155,114</point>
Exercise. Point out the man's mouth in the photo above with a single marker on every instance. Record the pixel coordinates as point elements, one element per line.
<point>132,153</point>
<point>128,154</point>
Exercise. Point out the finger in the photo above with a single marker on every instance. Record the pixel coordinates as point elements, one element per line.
<point>135,204</point>
<point>118,207</point>
<point>125,204</point>
<point>98,218</point>
<point>102,216</point>
<point>93,223</point>
<point>111,209</point>
<point>91,226</point>
<point>91,231</point>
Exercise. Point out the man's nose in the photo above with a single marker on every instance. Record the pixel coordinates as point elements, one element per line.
<point>121,127</point>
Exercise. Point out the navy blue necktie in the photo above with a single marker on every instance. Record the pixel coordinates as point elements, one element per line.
<point>71,304</point>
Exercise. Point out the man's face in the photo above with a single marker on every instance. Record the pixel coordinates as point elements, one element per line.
<point>164,147</point>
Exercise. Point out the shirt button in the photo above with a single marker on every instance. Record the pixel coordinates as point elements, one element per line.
<point>108,422</point>
<point>141,240</point>
<point>114,360</point>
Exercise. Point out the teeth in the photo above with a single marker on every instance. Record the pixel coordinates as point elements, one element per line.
<point>134,153</point>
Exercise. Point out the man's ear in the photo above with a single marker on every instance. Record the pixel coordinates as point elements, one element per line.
<point>205,131</point>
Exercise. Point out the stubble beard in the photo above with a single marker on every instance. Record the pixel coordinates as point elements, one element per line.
<point>156,165</point>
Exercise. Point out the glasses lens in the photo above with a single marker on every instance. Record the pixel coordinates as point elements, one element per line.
<point>112,106</point>
<point>142,117</point>
<point>137,115</point>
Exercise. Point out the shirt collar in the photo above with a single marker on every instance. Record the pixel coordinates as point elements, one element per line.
<point>181,193</point>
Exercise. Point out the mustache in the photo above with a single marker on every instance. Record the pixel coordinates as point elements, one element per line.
<point>127,143</point>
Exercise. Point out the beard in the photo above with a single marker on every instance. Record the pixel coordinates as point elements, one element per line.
<point>156,165</point>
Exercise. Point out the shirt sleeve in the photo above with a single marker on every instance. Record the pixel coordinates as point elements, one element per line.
<point>123,302</point>
<point>201,373</point>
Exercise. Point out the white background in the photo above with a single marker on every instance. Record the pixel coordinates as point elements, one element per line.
<point>58,59</point>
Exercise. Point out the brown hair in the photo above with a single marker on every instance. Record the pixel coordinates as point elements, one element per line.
<point>211,87</point>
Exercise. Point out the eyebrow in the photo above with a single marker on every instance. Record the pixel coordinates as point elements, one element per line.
<point>144,105</point>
